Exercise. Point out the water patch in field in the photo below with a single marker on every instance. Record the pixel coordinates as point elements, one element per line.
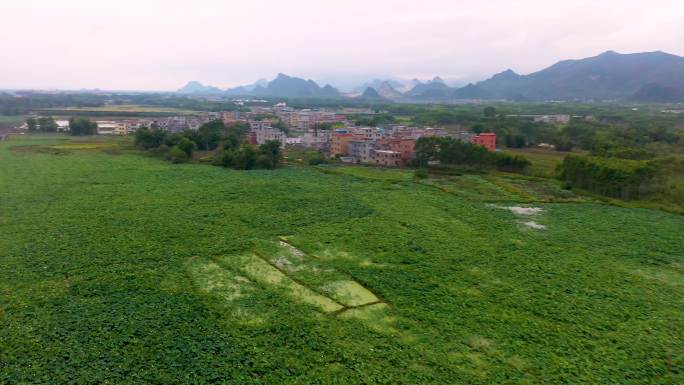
<point>524,210</point>
<point>349,293</point>
<point>534,225</point>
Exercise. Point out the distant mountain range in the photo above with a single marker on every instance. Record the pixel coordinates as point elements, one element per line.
<point>641,77</point>
<point>608,76</point>
<point>281,86</point>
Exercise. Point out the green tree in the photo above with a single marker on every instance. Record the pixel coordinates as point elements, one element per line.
<point>209,135</point>
<point>32,124</point>
<point>47,124</point>
<point>82,126</point>
<point>235,135</point>
<point>489,112</point>
<point>273,153</point>
<point>225,158</point>
<point>245,158</point>
<point>149,138</point>
<point>177,155</point>
<point>187,146</point>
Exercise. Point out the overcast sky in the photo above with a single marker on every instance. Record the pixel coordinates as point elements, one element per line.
<point>161,44</point>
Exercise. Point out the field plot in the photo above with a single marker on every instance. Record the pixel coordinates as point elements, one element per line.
<point>119,108</point>
<point>544,161</point>
<point>119,268</point>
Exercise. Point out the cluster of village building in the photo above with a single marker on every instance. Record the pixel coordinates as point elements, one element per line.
<point>329,132</point>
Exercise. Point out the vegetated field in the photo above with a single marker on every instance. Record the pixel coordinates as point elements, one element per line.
<point>119,268</point>
<point>115,111</point>
<point>544,161</point>
<point>8,121</point>
<point>122,108</point>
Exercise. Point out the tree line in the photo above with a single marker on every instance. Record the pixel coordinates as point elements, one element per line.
<point>77,126</point>
<point>613,177</point>
<point>229,144</point>
<point>452,151</point>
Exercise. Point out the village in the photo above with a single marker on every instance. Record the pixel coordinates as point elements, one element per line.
<point>331,132</point>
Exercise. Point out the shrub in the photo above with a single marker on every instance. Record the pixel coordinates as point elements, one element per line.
<point>516,163</point>
<point>177,155</point>
<point>187,146</point>
<point>149,138</point>
<point>245,158</point>
<point>264,161</point>
<point>225,158</point>
<point>160,151</point>
<point>317,159</point>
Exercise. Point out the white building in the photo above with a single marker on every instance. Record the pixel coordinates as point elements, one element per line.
<point>62,125</point>
<point>316,138</point>
<point>267,133</point>
<point>106,127</point>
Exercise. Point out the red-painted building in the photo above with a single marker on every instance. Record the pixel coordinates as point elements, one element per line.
<point>485,139</point>
<point>252,138</point>
<point>405,147</point>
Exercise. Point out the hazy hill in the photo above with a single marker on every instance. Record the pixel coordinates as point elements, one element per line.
<point>377,84</point>
<point>645,77</point>
<point>282,86</point>
<point>658,93</point>
<point>286,86</point>
<point>386,90</point>
<point>371,93</point>
<point>195,87</point>
<point>435,89</point>
<point>607,76</point>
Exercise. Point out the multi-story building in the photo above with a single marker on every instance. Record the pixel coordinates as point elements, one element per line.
<point>231,117</point>
<point>387,158</point>
<point>263,134</point>
<point>372,133</point>
<point>121,128</point>
<point>339,143</point>
<point>106,127</point>
<point>317,138</point>
<point>260,124</point>
<point>361,150</point>
<point>485,139</point>
<point>406,148</point>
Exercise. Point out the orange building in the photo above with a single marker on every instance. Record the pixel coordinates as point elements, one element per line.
<point>406,148</point>
<point>485,139</point>
<point>387,158</point>
<point>339,145</point>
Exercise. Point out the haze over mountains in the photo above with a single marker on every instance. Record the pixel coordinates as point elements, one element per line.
<point>643,77</point>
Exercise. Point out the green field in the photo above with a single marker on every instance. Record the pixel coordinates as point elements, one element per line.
<point>119,108</point>
<point>11,121</point>
<point>119,268</point>
<point>544,162</point>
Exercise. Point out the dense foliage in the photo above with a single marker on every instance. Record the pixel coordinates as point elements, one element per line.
<point>82,126</point>
<point>451,151</point>
<point>613,177</point>
<point>42,124</point>
<point>229,143</point>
